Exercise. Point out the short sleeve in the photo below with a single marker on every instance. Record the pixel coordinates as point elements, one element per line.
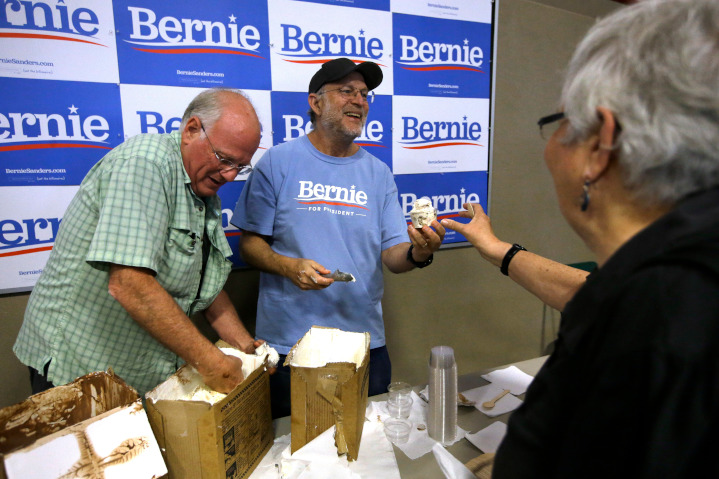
<point>133,215</point>
<point>257,205</point>
<point>394,225</point>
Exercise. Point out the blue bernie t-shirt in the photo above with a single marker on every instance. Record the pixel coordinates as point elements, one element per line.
<point>340,212</point>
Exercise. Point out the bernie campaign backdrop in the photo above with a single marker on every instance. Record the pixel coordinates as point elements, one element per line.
<point>78,77</point>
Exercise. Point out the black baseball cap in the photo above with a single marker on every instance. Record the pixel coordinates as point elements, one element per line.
<point>340,68</point>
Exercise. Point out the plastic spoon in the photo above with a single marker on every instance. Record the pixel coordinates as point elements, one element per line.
<point>490,404</point>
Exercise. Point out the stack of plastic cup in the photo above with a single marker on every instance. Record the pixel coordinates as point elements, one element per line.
<point>399,388</point>
<point>399,405</point>
<point>442,410</point>
<point>397,430</point>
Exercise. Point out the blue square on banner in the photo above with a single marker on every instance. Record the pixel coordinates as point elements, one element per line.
<point>290,120</point>
<point>53,132</point>
<point>448,193</point>
<point>229,194</point>
<point>289,116</point>
<point>185,43</point>
<point>438,57</point>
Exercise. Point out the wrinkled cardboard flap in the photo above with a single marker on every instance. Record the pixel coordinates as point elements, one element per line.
<point>62,410</point>
<point>191,435</point>
<point>50,411</point>
<point>334,394</point>
<point>120,439</point>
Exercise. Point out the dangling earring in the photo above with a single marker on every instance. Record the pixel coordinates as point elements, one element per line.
<point>585,196</point>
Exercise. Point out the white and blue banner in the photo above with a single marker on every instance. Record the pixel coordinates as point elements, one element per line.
<point>78,77</point>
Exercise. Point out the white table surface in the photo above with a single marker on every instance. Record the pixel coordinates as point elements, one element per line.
<point>468,418</point>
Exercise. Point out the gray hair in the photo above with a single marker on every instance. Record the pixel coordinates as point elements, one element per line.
<point>655,65</point>
<point>208,105</point>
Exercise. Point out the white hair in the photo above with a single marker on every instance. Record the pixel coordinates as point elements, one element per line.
<point>655,65</point>
<point>208,106</point>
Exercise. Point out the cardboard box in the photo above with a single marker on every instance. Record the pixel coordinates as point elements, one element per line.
<point>204,439</point>
<point>329,381</point>
<point>94,427</point>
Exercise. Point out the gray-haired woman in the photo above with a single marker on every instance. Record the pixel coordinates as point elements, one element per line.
<point>632,388</point>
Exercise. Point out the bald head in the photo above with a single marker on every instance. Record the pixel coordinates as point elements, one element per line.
<point>219,127</point>
<point>210,104</point>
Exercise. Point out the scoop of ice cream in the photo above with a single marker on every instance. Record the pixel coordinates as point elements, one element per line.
<point>273,356</point>
<point>423,213</point>
<point>250,362</point>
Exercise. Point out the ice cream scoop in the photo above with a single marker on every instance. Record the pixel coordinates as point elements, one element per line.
<point>341,276</point>
<point>423,212</point>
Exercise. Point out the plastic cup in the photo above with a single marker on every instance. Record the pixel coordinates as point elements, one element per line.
<point>397,430</point>
<point>399,406</point>
<point>399,388</point>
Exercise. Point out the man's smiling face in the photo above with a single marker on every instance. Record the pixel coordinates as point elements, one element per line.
<point>346,116</point>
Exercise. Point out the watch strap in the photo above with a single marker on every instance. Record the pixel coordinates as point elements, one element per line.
<point>417,264</point>
<point>516,248</point>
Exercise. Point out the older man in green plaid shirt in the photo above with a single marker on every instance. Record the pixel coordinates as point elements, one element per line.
<point>141,249</point>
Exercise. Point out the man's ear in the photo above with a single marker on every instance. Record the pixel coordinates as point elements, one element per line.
<point>193,126</point>
<point>314,101</point>
<point>191,130</point>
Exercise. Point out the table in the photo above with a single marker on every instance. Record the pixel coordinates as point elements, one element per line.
<point>469,419</point>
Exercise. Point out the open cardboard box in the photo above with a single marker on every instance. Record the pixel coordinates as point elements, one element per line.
<point>218,437</point>
<point>329,380</point>
<point>93,427</point>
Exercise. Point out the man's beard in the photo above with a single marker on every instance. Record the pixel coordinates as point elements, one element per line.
<point>332,120</point>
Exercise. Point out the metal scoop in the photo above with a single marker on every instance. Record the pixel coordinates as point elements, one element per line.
<point>341,276</point>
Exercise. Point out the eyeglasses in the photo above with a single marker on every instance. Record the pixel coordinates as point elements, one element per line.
<point>349,93</point>
<point>546,133</point>
<point>226,165</point>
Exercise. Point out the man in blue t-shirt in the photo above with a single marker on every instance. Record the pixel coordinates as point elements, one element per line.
<point>321,203</point>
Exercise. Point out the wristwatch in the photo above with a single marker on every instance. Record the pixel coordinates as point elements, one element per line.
<point>516,248</point>
<point>416,263</point>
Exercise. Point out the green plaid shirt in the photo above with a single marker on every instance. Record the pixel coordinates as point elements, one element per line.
<point>136,208</point>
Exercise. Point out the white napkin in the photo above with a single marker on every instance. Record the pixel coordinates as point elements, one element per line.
<point>487,393</point>
<point>511,378</point>
<point>488,439</point>
<point>318,459</point>
<point>424,394</point>
<point>419,442</point>
<point>451,467</point>
<point>269,466</point>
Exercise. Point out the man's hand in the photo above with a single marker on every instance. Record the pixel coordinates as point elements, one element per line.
<point>307,274</point>
<point>224,375</point>
<point>426,240</point>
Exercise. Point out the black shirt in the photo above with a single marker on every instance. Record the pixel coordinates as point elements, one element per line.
<point>632,388</point>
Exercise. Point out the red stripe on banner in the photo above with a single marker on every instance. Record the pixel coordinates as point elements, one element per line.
<point>47,37</point>
<point>370,144</point>
<point>194,50</point>
<point>38,146</point>
<point>334,203</point>
<point>26,251</point>
<point>427,69</point>
<point>456,143</point>
<point>313,62</point>
<point>305,62</point>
